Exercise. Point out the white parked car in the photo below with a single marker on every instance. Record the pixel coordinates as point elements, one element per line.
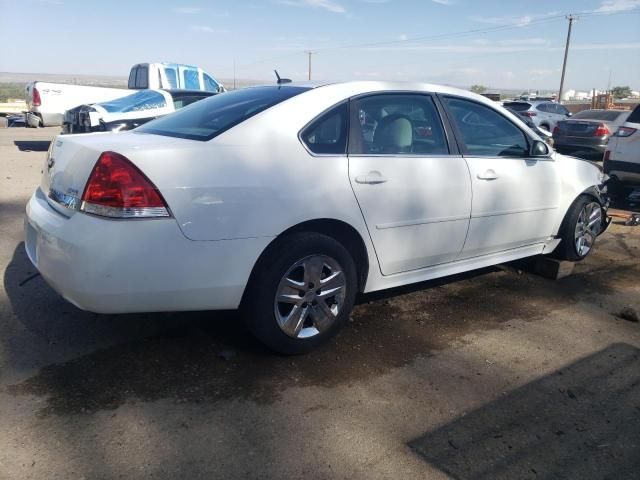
<point>622,156</point>
<point>286,201</point>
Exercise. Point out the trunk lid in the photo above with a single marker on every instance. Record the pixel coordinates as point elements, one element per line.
<point>579,128</point>
<point>71,159</point>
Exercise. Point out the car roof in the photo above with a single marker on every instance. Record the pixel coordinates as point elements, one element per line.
<point>381,85</point>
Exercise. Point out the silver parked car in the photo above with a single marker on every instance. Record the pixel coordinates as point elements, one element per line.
<point>544,113</point>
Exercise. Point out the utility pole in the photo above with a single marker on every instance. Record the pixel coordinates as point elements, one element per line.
<point>309,52</point>
<point>571,19</point>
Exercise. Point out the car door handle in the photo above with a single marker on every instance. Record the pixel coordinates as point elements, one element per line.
<point>371,178</point>
<point>488,175</point>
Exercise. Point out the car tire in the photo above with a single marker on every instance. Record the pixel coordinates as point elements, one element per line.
<point>581,226</point>
<point>310,314</point>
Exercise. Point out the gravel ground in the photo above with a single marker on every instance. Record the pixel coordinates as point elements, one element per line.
<point>494,374</point>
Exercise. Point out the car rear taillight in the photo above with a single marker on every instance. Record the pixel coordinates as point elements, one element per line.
<point>556,130</point>
<point>117,188</point>
<point>529,114</point>
<point>625,132</point>
<point>601,131</point>
<point>35,97</point>
<point>607,154</point>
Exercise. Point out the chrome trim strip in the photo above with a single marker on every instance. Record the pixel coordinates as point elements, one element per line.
<point>410,223</point>
<point>512,212</point>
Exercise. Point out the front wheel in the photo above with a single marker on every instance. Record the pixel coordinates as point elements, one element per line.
<point>301,293</point>
<point>580,228</point>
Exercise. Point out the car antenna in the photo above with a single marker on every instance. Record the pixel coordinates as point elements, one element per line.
<point>281,80</point>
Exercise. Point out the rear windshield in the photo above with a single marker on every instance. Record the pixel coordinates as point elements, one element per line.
<point>142,100</point>
<point>518,106</point>
<point>635,115</point>
<point>605,115</point>
<point>210,117</point>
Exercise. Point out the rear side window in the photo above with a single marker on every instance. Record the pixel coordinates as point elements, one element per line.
<point>191,81</point>
<point>328,134</point>
<point>518,106</point>
<point>396,124</point>
<point>485,132</point>
<point>208,118</point>
<point>172,77</point>
<point>635,115</point>
<point>544,107</point>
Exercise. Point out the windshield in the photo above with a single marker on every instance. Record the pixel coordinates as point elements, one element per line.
<point>606,115</point>
<point>210,117</point>
<point>142,100</point>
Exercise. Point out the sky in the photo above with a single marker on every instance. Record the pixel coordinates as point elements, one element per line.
<point>515,44</point>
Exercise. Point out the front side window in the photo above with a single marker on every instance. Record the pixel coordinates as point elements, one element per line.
<point>394,124</point>
<point>210,84</point>
<point>212,116</point>
<point>484,132</point>
<point>544,107</point>
<point>191,81</point>
<point>328,134</point>
<point>562,110</point>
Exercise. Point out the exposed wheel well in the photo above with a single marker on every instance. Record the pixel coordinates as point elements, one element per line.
<point>338,230</point>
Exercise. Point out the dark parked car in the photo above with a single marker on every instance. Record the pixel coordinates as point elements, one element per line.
<point>129,112</point>
<point>587,132</point>
<point>544,113</point>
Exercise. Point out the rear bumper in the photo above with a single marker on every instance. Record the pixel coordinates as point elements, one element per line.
<point>623,171</point>
<point>125,266</point>
<point>596,145</point>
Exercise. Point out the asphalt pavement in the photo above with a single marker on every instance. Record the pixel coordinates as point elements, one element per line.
<point>494,374</point>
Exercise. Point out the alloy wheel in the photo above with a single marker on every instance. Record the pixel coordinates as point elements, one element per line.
<point>310,296</point>
<point>588,227</point>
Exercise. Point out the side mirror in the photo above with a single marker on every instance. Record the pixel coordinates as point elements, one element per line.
<point>539,149</point>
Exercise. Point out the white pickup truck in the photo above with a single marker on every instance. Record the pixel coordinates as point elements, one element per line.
<point>47,102</point>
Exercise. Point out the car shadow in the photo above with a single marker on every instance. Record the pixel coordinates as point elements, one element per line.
<point>578,422</point>
<point>32,145</point>
<point>84,362</point>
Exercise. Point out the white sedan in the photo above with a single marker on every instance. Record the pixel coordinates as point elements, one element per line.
<point>286,201</point>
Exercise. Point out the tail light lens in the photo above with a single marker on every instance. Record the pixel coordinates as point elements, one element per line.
<point>556,130</point>
<point>35,97</point>
<point>529,114</point>
<point>117,188</point>
<point>607,155</point>
<point>625,132</point>
<point>601,131</point>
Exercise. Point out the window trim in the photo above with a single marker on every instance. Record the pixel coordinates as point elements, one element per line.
<point>462,145</point>
<point>444,120</point>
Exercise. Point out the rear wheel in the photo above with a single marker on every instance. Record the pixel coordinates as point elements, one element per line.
<point>301,293</point>
<point>580,228</point>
